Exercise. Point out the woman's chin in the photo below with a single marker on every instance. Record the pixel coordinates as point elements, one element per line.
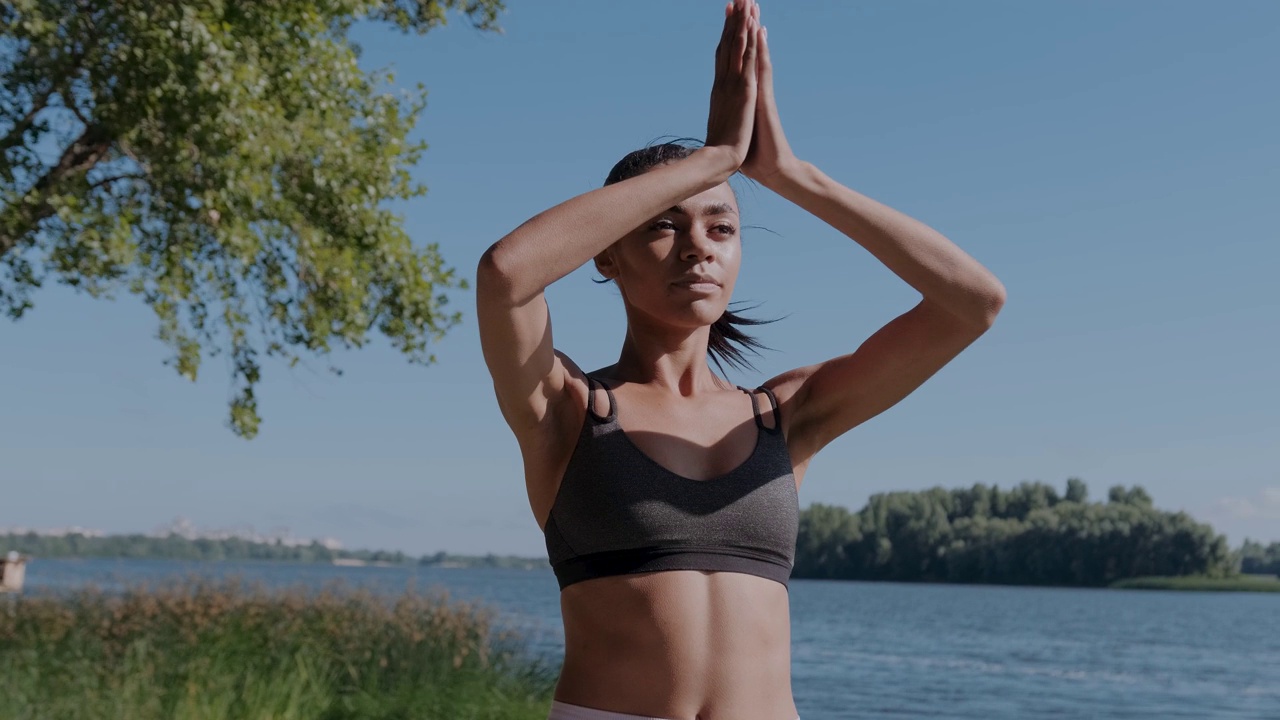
<point>702,312</point>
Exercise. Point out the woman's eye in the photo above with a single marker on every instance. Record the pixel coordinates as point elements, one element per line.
<point>726,229</point>
<point>663,225</point>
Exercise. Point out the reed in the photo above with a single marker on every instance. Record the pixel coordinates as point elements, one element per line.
<point>199,650</point>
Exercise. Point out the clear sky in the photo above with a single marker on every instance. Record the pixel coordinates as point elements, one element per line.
<point>1116,165</point>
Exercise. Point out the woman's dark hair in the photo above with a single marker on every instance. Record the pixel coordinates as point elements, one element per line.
<point>727,341</point>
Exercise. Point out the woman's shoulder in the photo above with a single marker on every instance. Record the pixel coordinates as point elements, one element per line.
<point>575,378</point>
<point>788,389</point>
<point>787,385</point>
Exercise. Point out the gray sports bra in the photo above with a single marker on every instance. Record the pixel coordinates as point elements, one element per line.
<point>618,511</point>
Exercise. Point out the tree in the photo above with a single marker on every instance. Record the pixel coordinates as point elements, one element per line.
<point>1077,490</point>
<point>227,162</point>
<point>1027,535</point>
<point>1256,559</point>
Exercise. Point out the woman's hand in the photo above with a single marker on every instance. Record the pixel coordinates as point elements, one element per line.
<point>733,92</point>
<point>769,156</point>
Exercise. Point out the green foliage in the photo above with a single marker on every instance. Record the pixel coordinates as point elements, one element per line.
<point>1027,535</point>
<point>1077,491</point>
<point>227,162</point>
<point>1257,559</point>
<point>227,651</point>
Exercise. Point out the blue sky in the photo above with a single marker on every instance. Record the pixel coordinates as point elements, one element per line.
<point>1116,165</point>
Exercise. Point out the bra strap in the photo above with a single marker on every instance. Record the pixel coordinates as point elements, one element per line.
<point>591,401</point>
<point>755,408</point>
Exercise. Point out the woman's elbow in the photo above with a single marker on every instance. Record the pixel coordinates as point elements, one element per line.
<point>496,274</point>
<point>993,303</point>
<point>491,268</point>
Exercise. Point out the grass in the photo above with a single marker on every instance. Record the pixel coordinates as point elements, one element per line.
<point>200,651</point>
<point>1235,583</point>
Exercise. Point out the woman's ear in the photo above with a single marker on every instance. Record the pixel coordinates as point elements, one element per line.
<point>605,264</point>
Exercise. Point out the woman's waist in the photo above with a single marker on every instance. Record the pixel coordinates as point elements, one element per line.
<point>675,648</point>
<point>678,681</point>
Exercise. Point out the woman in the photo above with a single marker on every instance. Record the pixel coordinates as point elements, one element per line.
<point>668,497</point>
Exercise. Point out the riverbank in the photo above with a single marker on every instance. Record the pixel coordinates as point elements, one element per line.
<point>228,651</point>
<point>1237,583</point>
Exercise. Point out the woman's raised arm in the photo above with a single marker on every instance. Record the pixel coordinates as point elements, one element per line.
<point>961,298</point>
<point>515,326</point>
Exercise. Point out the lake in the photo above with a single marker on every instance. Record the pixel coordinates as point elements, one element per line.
<point>889,650</point>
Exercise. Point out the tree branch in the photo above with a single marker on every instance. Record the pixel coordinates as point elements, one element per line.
<point>19,219</point>
<point>104,181</point>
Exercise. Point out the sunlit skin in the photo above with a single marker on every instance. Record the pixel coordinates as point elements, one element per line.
<point>652,266</point>
<point>686,644</point>
<point>670,644</point>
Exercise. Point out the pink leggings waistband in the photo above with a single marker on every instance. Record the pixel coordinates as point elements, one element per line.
<point>567,711</point>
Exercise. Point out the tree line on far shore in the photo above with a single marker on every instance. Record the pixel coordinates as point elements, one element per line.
<point>1025,535</point>
<point>1259,559</point>
<point>178,547</point>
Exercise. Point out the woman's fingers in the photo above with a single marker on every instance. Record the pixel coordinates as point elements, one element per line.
<point>764,66</point>
<point>736,51</point>
<point>733,94</point>
<point>769,153</point>
<point>736,63</point>
<point>726,35</point>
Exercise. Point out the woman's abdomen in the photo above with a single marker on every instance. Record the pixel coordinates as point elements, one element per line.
<point>670,644</point>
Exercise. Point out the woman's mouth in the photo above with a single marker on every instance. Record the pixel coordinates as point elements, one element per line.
<point>698,283</point>
<point>699,286</point>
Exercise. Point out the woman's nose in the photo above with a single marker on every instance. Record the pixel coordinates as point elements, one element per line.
<point>697,247</point>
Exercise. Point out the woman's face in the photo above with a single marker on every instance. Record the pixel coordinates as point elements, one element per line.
<point>680,266</point>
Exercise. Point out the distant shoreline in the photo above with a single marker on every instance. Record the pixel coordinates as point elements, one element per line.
<point>1238,583</point>
<point>1028,536</point>
<point>178,547</point>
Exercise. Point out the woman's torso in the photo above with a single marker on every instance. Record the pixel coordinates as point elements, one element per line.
<point>677,643</point>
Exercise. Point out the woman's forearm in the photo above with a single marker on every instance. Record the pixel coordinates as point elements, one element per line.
<point>558,240</point>
<point>915,252</point>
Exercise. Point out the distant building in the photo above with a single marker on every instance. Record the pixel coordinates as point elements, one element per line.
<point>13,569</point>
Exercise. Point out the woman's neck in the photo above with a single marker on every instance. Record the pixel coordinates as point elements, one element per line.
<point>674,360</point>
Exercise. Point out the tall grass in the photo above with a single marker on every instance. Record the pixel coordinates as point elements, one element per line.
<point>200,650</point>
